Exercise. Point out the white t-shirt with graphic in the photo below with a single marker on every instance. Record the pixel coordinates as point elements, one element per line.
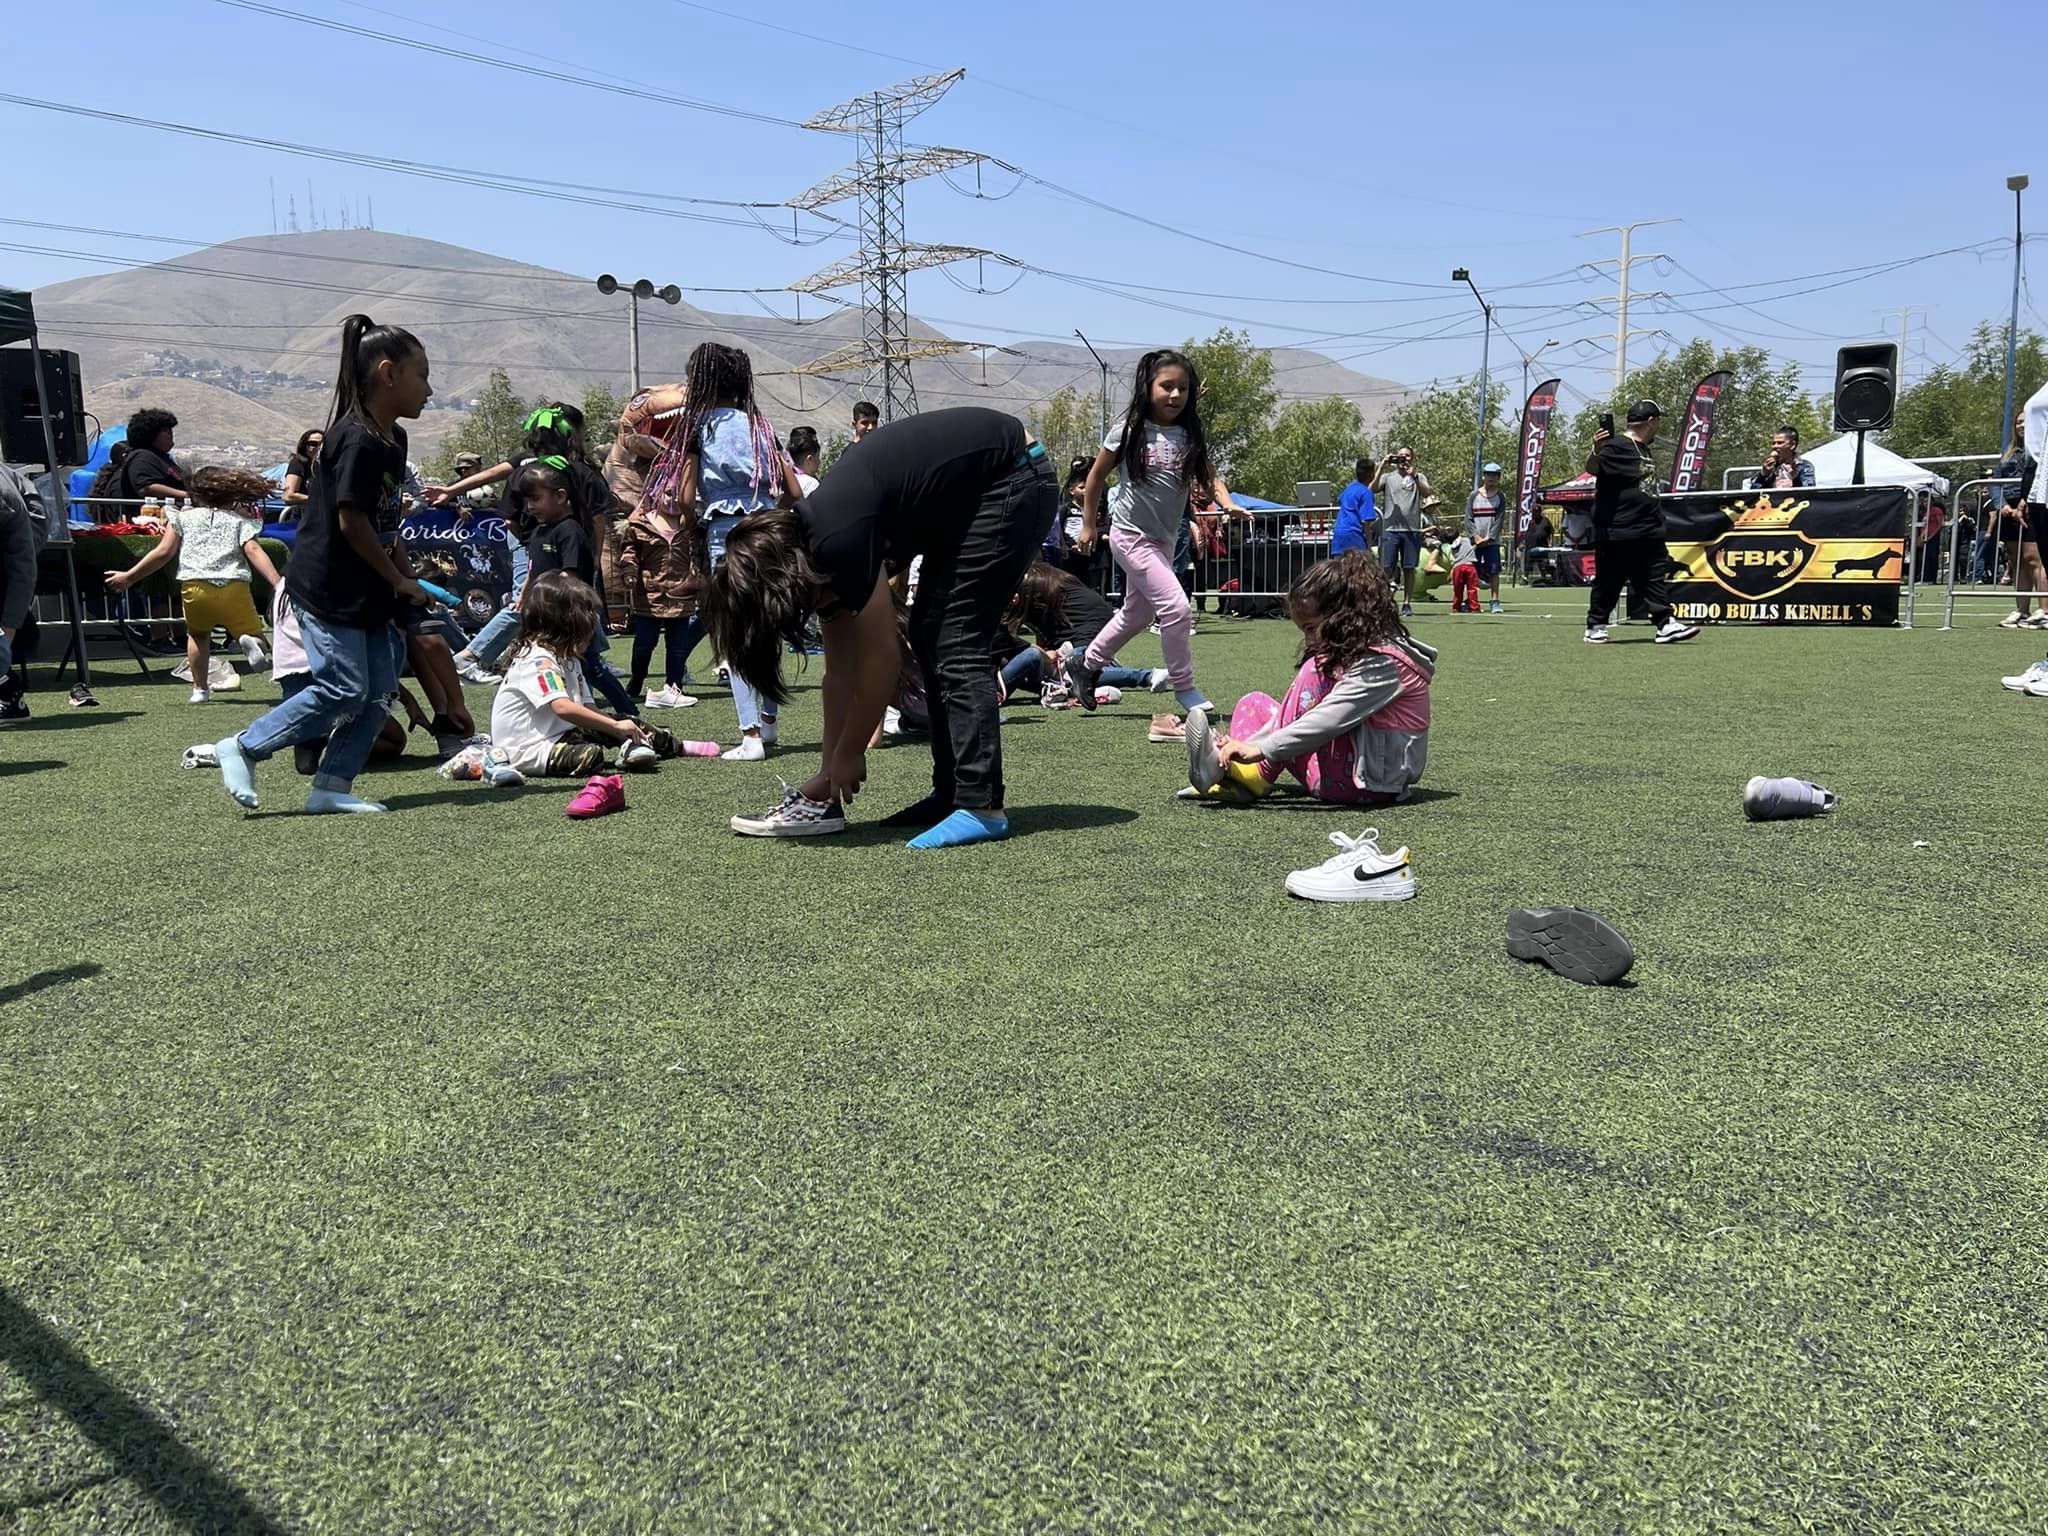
<point>1157,505</point>
<point>521,720</point>
<point>210,541</point>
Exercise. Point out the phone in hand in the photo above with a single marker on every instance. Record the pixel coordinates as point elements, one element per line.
<point>1607,422</point>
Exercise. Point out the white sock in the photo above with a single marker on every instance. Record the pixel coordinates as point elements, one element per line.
<point>749,750</point>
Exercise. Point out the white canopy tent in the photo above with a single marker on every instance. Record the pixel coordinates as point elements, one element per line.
<point>1835,464</point>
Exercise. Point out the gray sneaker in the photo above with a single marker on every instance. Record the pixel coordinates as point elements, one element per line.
<point>1579,945</point>
<point>1768,799</point>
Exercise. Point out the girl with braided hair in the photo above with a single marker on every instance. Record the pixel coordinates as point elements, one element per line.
<point>722,465</point>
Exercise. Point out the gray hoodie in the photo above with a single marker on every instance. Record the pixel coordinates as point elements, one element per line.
<point>1390,756</point>
<point>21,509</point>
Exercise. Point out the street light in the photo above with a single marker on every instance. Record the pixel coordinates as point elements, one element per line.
<point>1105,378</point>
<point>2015,185</point>
<point>643,289</point>
<point>1529,360</point>
<point>1461,275</point>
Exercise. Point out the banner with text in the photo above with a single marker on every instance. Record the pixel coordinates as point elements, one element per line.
<point>1696,433</point>
<point>1819,555</point>
<point>1529,463</point>
<point>471,557</point>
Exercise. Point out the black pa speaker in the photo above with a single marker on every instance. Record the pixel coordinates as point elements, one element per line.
<point>1866,385</point>
<point>21,417</point>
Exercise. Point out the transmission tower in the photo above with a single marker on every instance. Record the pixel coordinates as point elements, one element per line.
<point>885,258</point>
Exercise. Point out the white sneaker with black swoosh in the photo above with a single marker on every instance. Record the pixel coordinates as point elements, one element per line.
<point>1358,871</point>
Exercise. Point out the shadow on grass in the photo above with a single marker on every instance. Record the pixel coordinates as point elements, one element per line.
<point>70,719</point>
<point>43,980</point>
<point>30,765</point>
<point>138,1444</point>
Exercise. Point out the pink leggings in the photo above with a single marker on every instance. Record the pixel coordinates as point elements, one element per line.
<point>1327,771</point>
<point>1149,591</point>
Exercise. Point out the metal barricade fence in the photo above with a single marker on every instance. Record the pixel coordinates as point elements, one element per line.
<point>1958,560</point>
<point>136,618</point>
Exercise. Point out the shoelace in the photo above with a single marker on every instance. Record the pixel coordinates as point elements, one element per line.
<point>1367,842</point>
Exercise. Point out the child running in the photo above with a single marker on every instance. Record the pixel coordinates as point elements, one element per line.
<point>349,574</point>
<point>542,719</point>
<point>1164,457</point>
<point>724,463</point>
<point>216,545</point>
<point>1354,727</point>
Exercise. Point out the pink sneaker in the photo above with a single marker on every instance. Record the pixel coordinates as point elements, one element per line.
<point>600,795</point>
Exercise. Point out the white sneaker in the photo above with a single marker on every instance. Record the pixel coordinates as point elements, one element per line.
<point>1675,631</point>
<point>1109,693</point>
<point>470,670</point>
<point>2023,682</point>
<point>253,653</point>
<point>200,696</point>
<point>769,734</point>
<point>2012,620</point>
<point>892,723</point>
<point>201,756</point>
<point>749,750</point>
<point>637,755</point>
<point>2038,619</point>
<point>2039,688</point>
<point>794,815</point>
<point>1358,871</point>
<point>1596,635</point>
<point>1159,680</point>
<point>668,696</point>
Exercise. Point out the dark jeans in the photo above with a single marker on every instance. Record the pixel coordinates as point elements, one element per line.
<point>598,673</point>
<point>962,591</point>
<point>1638,564</point>
<point>647,632</point>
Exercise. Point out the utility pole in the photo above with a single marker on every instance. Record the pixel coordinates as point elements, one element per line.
<point>1905,326</point>
<point>1105,381</point>
<point>885,259</point>
<point>1622,294</point>
<point>2016,185</point>
<point>1463,275</point>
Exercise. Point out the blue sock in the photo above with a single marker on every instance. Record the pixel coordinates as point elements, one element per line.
<point>963,827</point>
<point>326,802</point>
<point>1193,698</point>
<point>236,771</point>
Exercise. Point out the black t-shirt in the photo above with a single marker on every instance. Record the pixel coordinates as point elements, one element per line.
<point>1087,614</point>
<point>914,482</point>
<point>560,546</point>
<point>1625,492</point>
<point>326,576</point>
<point>143,468</point>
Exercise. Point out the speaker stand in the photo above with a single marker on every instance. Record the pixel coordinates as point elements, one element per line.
<point>1856,475</point>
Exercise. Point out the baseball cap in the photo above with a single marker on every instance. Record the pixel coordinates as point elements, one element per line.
<point>1645,410</point>
<point>1489,468</point>
<point>470,458</point>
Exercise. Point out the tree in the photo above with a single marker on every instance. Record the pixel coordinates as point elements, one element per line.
<point>836,443</point>
<point>1308,440</point>
<point>1956,408</point>
<point>492,430</point>
<point>1237,394</point>
<point>1070,426</point>
<point>1760,398</point>
<point>600,417</point>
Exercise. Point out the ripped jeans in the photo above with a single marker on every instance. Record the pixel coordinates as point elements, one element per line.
<point>355,678</point>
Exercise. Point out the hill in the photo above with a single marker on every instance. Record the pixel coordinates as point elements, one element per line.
<point>244,332</point>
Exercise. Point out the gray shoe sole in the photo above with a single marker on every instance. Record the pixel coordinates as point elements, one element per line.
<point>1205,769</point>
<point>1579,945</point>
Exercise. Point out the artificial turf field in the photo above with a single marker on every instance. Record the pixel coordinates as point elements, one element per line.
<point>471,1169</point>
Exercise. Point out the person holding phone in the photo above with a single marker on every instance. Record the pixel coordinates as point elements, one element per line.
<point>1628,526</point>
<point>1399,494</point>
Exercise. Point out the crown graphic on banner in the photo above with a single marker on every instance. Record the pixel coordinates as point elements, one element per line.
<point>1764,515</point>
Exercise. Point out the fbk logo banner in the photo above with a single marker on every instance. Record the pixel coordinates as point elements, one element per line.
<point>1833,555</point>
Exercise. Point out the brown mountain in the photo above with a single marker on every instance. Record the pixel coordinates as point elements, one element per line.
<point>239,340</point>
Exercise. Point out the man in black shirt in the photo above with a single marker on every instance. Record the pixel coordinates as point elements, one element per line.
<point>148,473</point>
<point>969,492</point>
<point>1628,527</point>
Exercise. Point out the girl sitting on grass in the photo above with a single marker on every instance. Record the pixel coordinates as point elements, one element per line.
<point>1354,726</point>
<point>542,717</point>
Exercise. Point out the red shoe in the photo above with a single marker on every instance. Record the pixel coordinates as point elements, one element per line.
<point>600,795</point>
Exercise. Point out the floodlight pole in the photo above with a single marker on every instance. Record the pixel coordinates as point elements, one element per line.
<point>643,289</point>
<point>1462,275</point>
<point>1105,380</point>
<point>2016,185</point>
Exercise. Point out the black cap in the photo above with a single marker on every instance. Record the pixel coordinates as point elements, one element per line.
<point>1645,410</point>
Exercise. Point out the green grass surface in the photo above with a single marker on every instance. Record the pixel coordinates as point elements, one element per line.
<point>472,1169</point>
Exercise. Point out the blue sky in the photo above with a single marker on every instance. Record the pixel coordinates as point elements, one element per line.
<point>1375,142</point>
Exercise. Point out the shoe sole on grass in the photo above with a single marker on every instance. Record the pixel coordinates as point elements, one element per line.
<point>1579,945</point>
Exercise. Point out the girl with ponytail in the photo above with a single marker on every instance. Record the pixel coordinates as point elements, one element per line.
<point>349,579</point>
